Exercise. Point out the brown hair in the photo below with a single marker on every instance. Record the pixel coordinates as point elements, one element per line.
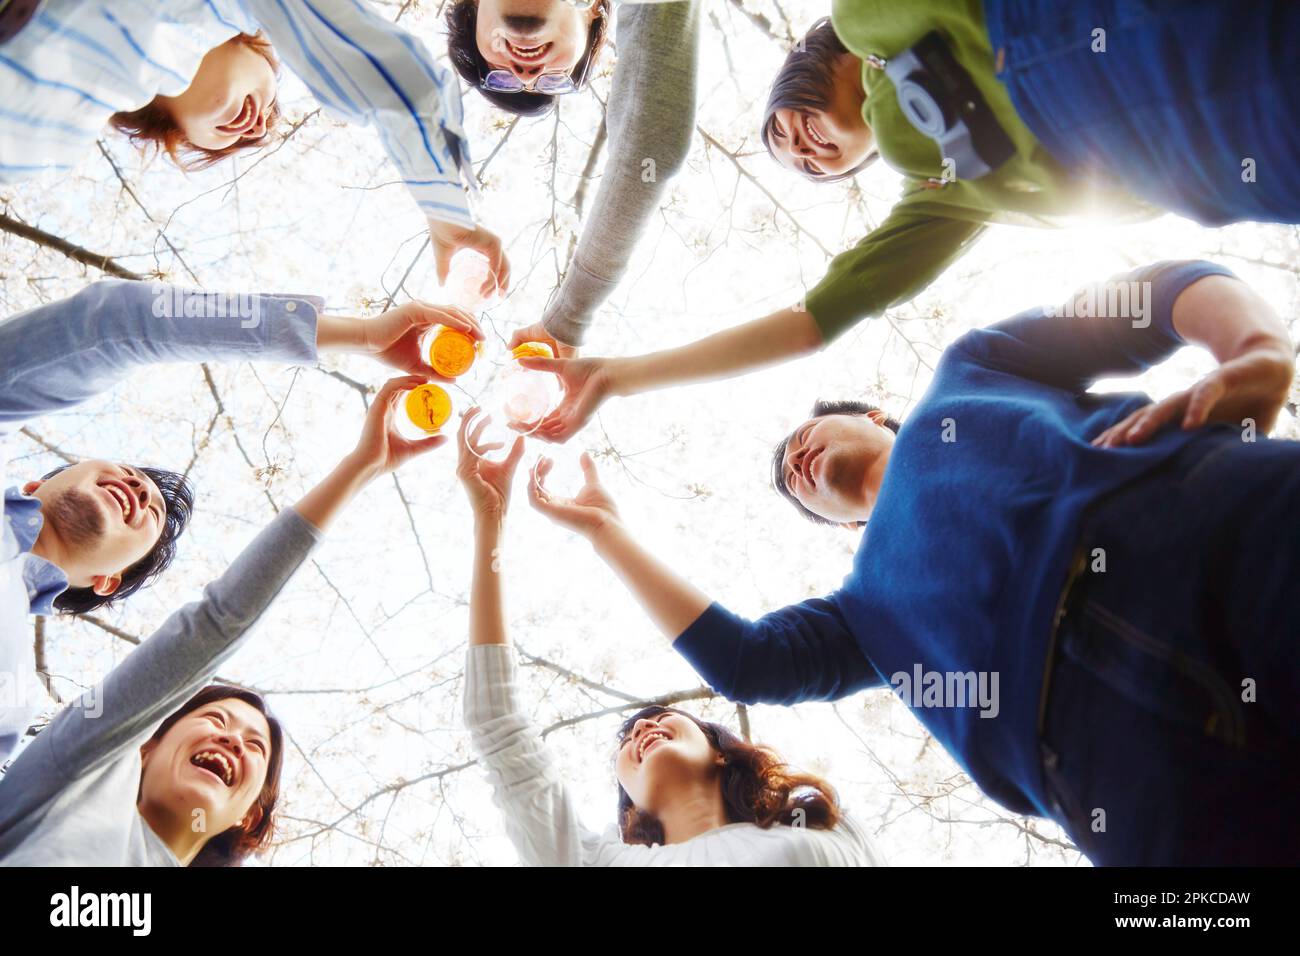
<point>153,124</point>
<point>231,846</point>
<point>758,786</point>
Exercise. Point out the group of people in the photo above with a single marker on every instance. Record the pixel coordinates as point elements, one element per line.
<point>1119,571</point>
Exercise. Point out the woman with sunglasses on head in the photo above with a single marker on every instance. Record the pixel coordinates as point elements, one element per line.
<point>690,792</point>
<point>1022,112</point>
<point>197,79</point>
<point>521,55</point>
<point>154,766</point>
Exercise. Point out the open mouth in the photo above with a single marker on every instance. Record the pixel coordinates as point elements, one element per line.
<point>217,764</point>
<point>245,121</point>
<point>651,737</point>
<point>122,496</point>
<point>528,55</point>
<point>808,466</point>
<point>814,134</point>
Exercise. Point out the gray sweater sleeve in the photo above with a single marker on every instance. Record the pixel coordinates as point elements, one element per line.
<point>651,117</point>
<point>183,655</point>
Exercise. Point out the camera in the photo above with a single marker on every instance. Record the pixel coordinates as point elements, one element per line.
<point>941,101</point>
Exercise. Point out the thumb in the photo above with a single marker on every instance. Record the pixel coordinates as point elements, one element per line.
<point>442,261</point>
<point>538,364</point>
<point>589,469</point>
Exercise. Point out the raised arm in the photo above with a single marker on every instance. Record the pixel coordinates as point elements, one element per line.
<point>894,263</point>
<point>801,652</point>
<point>651,119</point>
<point>540,817</point>
<point>193,643</point>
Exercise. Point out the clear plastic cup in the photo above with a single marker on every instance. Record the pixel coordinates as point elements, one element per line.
<point>450,352</point>
<point>516,403</point>
<point>469,270</point>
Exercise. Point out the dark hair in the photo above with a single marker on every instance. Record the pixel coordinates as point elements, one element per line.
<point>231,846</point>
<point>154,124</point>
<point>178,502</point>
<point>462,49</point>
<point>804,83</point>
<point>757,786</point>
<point>842,407</point>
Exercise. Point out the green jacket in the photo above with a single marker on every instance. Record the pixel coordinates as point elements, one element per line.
<point>931,227</point>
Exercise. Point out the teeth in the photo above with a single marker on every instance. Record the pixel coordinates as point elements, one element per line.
<point>812,134</point>
<point>227,771</point>
<point>120,498</point>
<point>647,739</point>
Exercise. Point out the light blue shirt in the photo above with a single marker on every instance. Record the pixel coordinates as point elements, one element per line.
<point>58,355</point>
<point>80,61</point>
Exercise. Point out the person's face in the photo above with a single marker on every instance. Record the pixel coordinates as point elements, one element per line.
<point>821,143</point>
<point>828,462</point>
<point>213,760</point>
<point>105,517</point>
<point>229,99</point>
<point>659,756</point>
<point>532,37</point>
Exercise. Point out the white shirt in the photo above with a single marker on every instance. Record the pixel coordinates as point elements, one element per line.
<point>79,61</point>
<point>542,821</point>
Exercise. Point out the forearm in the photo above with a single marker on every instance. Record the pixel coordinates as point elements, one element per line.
<point>1227,317</point>
<point>776,338</point>
<point>322,504</point>
<point>486,609</point>
<point>670,600</point>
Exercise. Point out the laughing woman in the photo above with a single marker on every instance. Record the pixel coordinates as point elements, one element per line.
<point>197,79</point>
<point>690,792</point>
<point>154,767</point>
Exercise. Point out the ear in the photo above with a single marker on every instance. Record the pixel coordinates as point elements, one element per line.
<point>105,584</point>
<point>852,525</point>
<point>146,750</point>
<point>31,486</point>
<point>251,819</point>
<point>877,416</point>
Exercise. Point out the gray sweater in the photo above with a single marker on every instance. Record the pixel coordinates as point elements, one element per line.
<point>650,116</point>
<point>70,798</point>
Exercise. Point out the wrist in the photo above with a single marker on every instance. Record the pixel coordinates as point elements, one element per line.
<point>604,535</point>
<point>620,374</point>
<point>339,333</point>
<point>359,469</point>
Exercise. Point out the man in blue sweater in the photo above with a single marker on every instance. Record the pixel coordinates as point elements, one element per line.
<point>1084,597</point>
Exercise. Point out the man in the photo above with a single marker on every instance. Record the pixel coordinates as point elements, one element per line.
<point>95,532</point>
<point>513,50</point>
<point>1088,599</point>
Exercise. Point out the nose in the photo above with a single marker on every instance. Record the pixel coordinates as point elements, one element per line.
<point>259,128</point>
<point>234,742</point>
<point>139,489</point>
<point>525,73</point>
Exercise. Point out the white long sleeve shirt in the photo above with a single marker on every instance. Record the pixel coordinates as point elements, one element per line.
<point>542,821</point>
<point>79,61</point>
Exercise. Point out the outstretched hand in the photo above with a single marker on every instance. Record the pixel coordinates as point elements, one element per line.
<point>537,333</point>
<point>447,239</point>
<point>487,483</point>
<point>380,448</point>
<point>393,337</point>
<point>587,382</point>
<point>1253,386</point>
<point>587,512</point>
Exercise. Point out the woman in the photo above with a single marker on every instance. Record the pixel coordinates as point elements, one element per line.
<point>197,78</point>
<point>1056,110</point>
<point>154,768</point>
<point>690,793</point>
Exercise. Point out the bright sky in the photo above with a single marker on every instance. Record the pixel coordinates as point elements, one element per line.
<point>364,654</point>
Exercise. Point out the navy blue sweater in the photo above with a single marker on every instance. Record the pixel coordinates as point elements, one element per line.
<point>964,559</point>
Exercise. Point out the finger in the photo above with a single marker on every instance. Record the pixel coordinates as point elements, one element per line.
<point>441,261</point>
<point>1155,418</point>
<point>1202,401</point>
<point>477,430</point>
<point>538,364</point>
<point>589,469</point>
<point>516,453</point>
<point>459,319</point>
<point>423,445</point>
<point>394,386</point>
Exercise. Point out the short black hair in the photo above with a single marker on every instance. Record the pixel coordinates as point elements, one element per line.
<point>462,49</point>
<point>178,501</point>
<point>820,409</point>
<point>804,83</point>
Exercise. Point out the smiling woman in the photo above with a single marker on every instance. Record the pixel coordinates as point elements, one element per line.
<point>229,106</point>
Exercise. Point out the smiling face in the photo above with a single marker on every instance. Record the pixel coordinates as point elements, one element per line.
<point>663,755</point>
<point>100,518</point>
<point>532,37</point>
<point>832,464</point>
<point>213,759</point>
<point>829,140</point>
<point>230,99</point>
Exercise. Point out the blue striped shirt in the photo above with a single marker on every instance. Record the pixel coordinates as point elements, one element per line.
<point>79,61</point>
